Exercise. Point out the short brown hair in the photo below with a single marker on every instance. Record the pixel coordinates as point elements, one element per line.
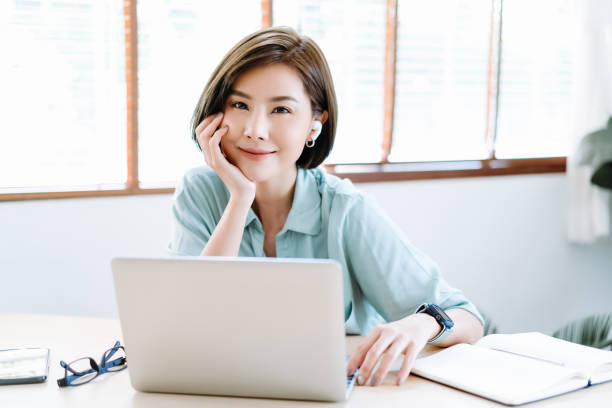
<point>276,45</point>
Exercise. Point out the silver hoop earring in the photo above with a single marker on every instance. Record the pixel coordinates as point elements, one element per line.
<point>317,131</point>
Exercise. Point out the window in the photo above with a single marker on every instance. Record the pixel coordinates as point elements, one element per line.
<point>536,79</point>
<point>351,34</point>
<point>62,77</point>
<point>425,89</point>
<point>441,80</point>
<point>179,45</point>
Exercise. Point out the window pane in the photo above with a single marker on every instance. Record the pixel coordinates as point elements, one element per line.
<point>441,80</point>
<point>351,34</point>
<point>536,79</point>
<point>63,95</point>
<point>180,42</point>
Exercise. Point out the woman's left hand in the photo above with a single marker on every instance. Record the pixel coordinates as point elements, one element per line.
<point>407,336</point>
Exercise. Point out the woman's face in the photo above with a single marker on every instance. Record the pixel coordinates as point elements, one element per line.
<point>269,117</point>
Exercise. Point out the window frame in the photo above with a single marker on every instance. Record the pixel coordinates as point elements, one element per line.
<point>383,171</point>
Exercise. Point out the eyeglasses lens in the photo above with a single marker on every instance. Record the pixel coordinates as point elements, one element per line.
<point>114,359</point>
<point>85,369</point>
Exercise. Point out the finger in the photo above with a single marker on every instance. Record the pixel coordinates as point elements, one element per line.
<point>388,358</point>
<point>208,131</point>
<point>411,353</point>
<point>204,148</point>
<point>208,148</point>
<point>372,357</point>
<point>214,147</point>
<point>360,352</point>
<point>211,128</point>
<point>207,120</point>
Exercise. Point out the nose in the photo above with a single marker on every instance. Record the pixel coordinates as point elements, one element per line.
<point>257,126</point>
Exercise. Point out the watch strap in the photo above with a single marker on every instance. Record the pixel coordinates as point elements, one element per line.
<point>440,337</point>
<point>445,322</point>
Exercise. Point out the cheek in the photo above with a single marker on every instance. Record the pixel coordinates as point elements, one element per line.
<point>227,143</point>
<point>290,133</point>
<point>232,132</point>
<point>292,140</point>
<point>230,118</point>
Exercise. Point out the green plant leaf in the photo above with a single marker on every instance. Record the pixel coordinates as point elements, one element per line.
<point>591,331</point>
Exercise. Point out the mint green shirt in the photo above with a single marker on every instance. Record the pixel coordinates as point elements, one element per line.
<point>385,277</point>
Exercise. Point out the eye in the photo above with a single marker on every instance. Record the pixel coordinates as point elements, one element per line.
<point>285,110</point>
<point>239,105</point>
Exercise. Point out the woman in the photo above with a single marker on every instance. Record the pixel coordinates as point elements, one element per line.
<point>266,119</point>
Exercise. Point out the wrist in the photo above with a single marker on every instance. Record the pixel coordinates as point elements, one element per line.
<point>428,325</point>
<point>241,201</point>
<point>439,315</point>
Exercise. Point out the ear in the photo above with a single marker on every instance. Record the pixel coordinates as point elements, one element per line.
<point>318,122</point>
<point>322,117</point>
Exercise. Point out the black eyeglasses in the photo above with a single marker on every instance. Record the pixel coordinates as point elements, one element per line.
<point>86,369</point>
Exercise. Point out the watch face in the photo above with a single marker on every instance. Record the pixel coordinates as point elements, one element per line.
<point>441,312</point>
<point>441,316</point>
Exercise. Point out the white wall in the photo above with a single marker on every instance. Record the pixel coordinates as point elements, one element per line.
<point>501,239</point>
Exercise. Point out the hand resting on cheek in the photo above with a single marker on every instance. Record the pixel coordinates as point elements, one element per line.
<point>209,138</point>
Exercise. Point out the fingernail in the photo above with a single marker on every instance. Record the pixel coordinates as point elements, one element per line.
<point>375,381</point>
<point>400,381</point>
<point>360,380</point>
<point>219,114</point>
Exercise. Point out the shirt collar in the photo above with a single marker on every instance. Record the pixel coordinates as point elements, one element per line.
<point>305,213</point>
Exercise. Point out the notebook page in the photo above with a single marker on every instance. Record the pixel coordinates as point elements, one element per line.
<point>550,348</point>
<point>497,375</point>
<point>602,374</point>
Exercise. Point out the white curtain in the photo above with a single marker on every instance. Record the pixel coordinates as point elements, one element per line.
<point>589,206</point>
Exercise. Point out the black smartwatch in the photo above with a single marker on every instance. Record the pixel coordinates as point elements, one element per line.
<point>445,322</point>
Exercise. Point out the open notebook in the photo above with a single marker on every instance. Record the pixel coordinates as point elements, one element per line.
<point>517,368</point>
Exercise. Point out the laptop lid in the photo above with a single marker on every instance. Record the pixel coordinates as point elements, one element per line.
<point>259,327</point>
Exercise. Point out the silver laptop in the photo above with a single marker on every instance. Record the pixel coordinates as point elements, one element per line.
<point>257,327</point>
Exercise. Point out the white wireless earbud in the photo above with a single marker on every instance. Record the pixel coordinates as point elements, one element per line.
<point>316,126</point>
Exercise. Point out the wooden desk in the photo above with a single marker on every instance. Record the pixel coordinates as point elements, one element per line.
<point>74,337</point>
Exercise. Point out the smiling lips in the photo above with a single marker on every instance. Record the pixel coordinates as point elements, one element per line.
<point>255,154</point>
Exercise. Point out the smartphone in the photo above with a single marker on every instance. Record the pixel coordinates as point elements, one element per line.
<point>24,366</point>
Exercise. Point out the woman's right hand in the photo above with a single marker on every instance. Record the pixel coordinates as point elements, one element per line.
<point>209,138</point>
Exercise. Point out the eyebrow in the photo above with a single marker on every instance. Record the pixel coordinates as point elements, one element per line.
<point>273,99</point>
